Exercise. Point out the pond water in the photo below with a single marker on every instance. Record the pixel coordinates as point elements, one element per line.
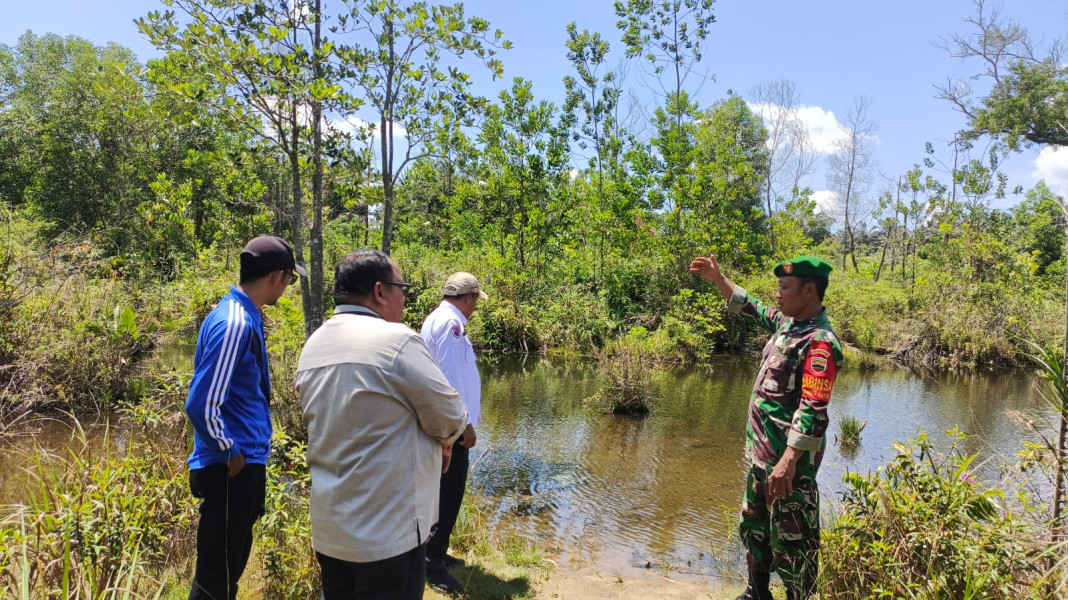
<point>618,493</point>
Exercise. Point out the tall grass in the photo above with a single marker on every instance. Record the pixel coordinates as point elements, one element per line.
<point>627,369</point>
<point>925,527</point>
<point>102,521</point>
<point>850,428</point>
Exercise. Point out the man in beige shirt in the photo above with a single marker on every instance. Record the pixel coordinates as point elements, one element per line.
<point>381,421</point>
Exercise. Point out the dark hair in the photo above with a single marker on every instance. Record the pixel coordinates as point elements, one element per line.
<point>359,271</point>
<point>819,282</point>
<point>251,273</point>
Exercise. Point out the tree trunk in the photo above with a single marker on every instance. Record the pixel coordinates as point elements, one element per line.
<point>313,320</point>
<point>297,214</point>
<point>387,147</point>
<point>882,259</point>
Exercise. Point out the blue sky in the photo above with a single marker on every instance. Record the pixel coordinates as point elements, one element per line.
<point>832,50</point>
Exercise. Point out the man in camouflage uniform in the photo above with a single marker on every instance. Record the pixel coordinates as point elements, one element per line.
<point>787,421</point>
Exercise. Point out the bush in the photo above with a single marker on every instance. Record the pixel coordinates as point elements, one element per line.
<point>924,527</point>
<point>103,522</point>
<point>628,367</point>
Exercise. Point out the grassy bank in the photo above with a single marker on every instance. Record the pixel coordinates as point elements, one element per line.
<point>112,518</point>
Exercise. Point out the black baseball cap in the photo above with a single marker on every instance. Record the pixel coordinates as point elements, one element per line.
<point>270,253</point>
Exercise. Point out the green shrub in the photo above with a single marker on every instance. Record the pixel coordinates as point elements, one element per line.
<point>850,428</point>
<point>923,526</point>
<point>627,367</point>
<point>283,535</point>
<point>103,522</point>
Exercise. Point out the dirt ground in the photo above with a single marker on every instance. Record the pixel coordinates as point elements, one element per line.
<point>591,584</point>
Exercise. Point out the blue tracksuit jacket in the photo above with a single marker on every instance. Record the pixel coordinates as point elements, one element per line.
<point>228,401</point>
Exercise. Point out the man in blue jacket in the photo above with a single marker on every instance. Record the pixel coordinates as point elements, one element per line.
<point>229,407</point>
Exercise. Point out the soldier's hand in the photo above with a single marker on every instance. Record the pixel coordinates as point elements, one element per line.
<point>707,267</point>
<point>781,480</point>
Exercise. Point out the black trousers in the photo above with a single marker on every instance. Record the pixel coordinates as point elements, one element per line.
<point>453,486</point>
<point>401,577</point>
<point>230,508</point>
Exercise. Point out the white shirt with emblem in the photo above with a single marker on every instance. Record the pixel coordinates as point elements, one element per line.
<point>445,334</point>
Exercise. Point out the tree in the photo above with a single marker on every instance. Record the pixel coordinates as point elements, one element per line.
<point>526,160</point>
<point>790,156</point>
<point>668,35</point>
<point>594,96</point>
<point>398,70</point>
<point>265,65</point>
<point>1028,98</point>
<point>729,170</point>
<point>849,170</point>
<point>1038,226</point>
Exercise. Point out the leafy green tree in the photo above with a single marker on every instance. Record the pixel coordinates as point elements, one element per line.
<point>1028,98</point>
<point>1038,227</point>
<point>729,173</point>
<point>798,227</point>
<point>525,155</point>
<point>396,64</point>
<point>65,110</point>
<point>668,35</point>
<point>267,66</point>
<point>589,108</point>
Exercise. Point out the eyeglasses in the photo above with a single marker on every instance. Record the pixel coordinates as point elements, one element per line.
<point>404,287</point>
<point>293,277</point>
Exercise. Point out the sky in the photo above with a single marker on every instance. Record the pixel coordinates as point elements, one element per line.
<point>832,51</point>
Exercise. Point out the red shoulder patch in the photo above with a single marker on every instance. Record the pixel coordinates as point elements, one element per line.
<point>819,372</point>
<point>455,331</point>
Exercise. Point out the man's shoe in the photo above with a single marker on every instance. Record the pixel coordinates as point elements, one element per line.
<point>440,579</point>
<point>452,561</point>
<point>758,588</point>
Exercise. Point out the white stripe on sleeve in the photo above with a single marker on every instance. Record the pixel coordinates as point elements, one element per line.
<point>224,369</point>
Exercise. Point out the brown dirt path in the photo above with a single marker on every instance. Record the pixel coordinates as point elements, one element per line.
<point>591,584</point>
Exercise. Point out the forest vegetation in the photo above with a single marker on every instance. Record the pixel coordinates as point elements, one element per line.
<point>129,188</point>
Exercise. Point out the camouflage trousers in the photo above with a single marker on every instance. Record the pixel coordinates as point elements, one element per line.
<point>785,536</point>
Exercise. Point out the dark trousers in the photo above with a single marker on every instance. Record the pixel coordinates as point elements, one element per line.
<point>398,578</point>
<point>453,486</point>
<point>230,508</point>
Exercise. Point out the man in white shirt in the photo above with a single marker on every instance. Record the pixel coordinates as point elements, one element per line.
<point>445,334</point>
<point>381,421</point>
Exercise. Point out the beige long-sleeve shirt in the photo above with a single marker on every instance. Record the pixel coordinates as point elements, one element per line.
<point>378,410</point>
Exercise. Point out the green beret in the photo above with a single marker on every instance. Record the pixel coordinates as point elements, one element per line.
<point>803,266</point>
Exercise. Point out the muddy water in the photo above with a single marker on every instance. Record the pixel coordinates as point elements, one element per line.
<point>618,493</point>
<point>622,493</point>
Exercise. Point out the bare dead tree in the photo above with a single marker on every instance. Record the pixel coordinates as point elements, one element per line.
<point>790,155</point>
<point>850,169</point>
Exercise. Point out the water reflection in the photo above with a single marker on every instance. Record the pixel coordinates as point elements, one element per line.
<point>623,492</point>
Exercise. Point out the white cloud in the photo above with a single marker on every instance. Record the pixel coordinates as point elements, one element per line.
<point>351,125</point>
<point>355,125</point>
<point>1052,166</point>
<point>822,126</point>
<point>826,201</point>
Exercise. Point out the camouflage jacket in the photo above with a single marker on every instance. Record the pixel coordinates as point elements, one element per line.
<point>797,371</point>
